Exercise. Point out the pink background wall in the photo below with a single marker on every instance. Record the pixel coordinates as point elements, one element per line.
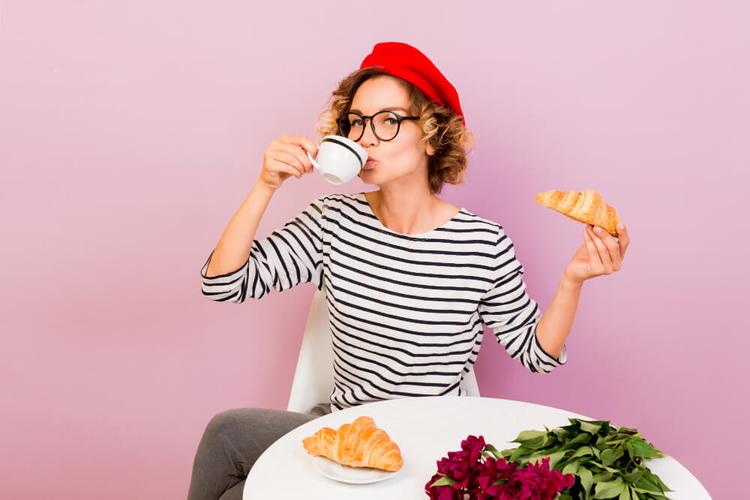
<point>131,131</point>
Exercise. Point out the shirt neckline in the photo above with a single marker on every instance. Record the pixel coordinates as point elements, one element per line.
<point>431,232</point>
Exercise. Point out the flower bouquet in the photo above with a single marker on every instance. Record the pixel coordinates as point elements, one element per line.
<point>479,471</point>
<point>588,459</point>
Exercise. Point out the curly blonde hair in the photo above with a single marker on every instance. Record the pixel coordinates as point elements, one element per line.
<point>442,128</point>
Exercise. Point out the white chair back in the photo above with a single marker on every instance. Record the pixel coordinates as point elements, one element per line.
<point>313,377</point>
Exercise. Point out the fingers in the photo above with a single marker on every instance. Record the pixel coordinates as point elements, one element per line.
<point>299,155</point>
<point>299,146</point>
<point>301,141</point>
<point>286,156</point>
<point>282,166</point>
<point>608,248</point>
<point>623,237</point>
<point>290,160</point>
<point>602,252</point>
<point>595,263</point>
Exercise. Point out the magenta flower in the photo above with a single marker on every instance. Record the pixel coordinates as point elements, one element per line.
<point>468,473</point>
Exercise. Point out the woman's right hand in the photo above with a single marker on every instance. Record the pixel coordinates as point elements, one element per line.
<point>285,157</point>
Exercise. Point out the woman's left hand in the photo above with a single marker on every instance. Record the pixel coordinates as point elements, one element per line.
<point>601,253</point>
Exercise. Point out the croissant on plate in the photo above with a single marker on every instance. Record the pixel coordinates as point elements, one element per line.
<point>587,207</point>
<point>359,444</point>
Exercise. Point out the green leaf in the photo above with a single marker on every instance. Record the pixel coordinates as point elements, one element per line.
<point>529,436</point>
<point>633,477</point>
<point>647,493</point>
<point>638,447</point>
<point>518,452</point>
<point>598,465</point>
<point>590,426</point>
<point>489,447</point>
<point>609,489</point>
<point>445,480</point>
<point>554,458</point>
<point>531,439</point>
<point>644,484</point>
<point>574,427</point>
<point>570,468</point>
<point>603,477</point>
<point>653,478</point>
<point>587,479</point>
<point>582,452</point>
<point>560,433</point>
<point>580,439</point>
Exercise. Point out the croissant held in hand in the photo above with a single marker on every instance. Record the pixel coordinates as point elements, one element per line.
<point>587,207</point>
<point>359,444</point>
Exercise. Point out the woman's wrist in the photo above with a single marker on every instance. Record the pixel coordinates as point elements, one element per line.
<point>263,188</point>
<point>571,281</point>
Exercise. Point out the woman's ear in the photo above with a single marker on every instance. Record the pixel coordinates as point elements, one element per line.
<point>430,150</point>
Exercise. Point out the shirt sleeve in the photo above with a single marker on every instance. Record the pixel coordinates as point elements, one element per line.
<point>290,256</point>
<point>513,315</point>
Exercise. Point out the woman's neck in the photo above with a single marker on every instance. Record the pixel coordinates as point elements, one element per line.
<point>407,212</point>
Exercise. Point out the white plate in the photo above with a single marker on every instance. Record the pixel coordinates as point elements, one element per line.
<point>353,475</point>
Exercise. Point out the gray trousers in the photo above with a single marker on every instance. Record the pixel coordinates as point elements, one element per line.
<point>233,441</point>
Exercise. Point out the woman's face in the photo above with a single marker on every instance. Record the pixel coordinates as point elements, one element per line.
<point>403,157</point>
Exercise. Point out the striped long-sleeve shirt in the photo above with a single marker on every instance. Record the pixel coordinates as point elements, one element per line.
<point>406,311</point>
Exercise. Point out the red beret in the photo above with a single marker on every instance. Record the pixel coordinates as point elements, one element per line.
<point>408,63</point>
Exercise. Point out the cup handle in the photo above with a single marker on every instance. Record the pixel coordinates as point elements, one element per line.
<point>315,163</point>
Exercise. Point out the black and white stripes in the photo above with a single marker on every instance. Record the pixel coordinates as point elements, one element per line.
<point>406,311</point>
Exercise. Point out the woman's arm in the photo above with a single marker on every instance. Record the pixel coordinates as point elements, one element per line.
<point>555,323</point>
<point>234,245</point>
<point>600,254</point>
<point>282,158</point>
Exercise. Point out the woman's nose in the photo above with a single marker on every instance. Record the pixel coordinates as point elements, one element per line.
<point>368,137</point>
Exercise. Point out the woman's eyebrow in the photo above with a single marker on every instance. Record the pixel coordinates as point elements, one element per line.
<point>384,109</point>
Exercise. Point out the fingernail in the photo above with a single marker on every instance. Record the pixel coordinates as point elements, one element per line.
<point>620,226</point>
<point>598,229</point>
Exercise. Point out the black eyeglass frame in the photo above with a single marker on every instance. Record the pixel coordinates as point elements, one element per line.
<point>399,119</point>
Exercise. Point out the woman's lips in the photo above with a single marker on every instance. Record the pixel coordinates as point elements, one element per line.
<point>369,164</point>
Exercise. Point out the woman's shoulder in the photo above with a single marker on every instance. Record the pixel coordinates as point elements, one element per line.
<point>334,200</point>
<point>339,196</point>
<point>330,206</point>
<point>490,225</point>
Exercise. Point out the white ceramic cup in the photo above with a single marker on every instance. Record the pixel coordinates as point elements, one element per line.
<point>339,159</point>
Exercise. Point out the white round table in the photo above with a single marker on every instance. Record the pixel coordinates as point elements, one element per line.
<point>425,429</point>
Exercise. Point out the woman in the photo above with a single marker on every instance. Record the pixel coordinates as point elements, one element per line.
<point>410,279</point>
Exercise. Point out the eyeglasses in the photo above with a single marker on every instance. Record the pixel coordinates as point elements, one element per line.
<point>385,125</point>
